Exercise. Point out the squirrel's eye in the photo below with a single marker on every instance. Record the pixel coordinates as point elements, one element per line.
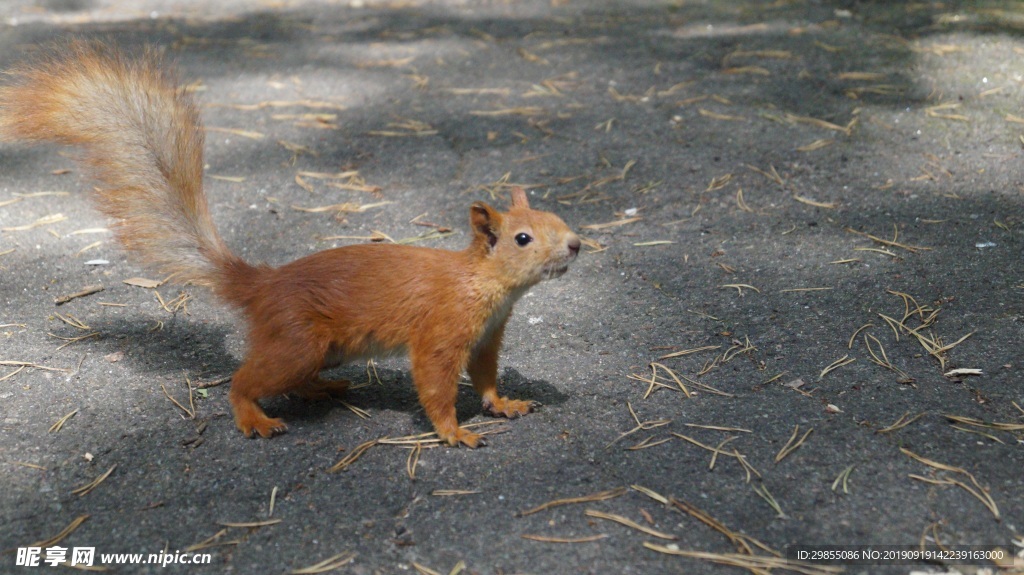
<point>523,239</point>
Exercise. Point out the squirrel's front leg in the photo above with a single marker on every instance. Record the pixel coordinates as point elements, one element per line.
<point>483,371</point>
<point>435,372</point>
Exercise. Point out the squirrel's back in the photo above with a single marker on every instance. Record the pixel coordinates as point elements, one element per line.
<point>143,143</point>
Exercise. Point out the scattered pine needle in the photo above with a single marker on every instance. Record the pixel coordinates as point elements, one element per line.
<point>360,413</point>
<point>520,111</point>
<point>346,207</point>
<point>892,243</point>
<point>190,411</point>
<point>718,428</point>
<point>978,432</point>
<point>772,174</point>
<point>329,564</point>
<point>718,183</point>
<point>763,492</point>
<point>846,130</point>
<point>232,179</point>
<point>423,439</point>
<point>716,451</point>
<point>29,465</point>
<point>672,374</point>
<point>979,492</point>
<point>478,91</point>
<point>650,493</point>
<point>250,524</point>
<point>24,364</point>
<point>758,70</point>
<point>414,458</point>
<point>88,487</point>
<point>980,423</point>
<point>43,221</point>
<point>741,203</point>
<point>60,422</point>
<point>454,492</point>
<point>793,444</point>
<point>717,116</point>
<point>881,358</point>
<point>353,456</point>
<point>73,322</point>
<point>810,202</point>
<point>740,287</point>
<point>213,541</point>
<point>242,133</point>
<point>648,443</point>
<point>816,145</point>
<point>546,539</point>
<point>876,250</point>
<point>689,351</point>
<point>653,382</point>
<point>89,247</point>
<point>599,496</point>
<point>861,76</point>
<point>859,329</point>
<point>939,111</point>
<point>640,425</point>
<point>744,543</point>
<point>843,479</point>
<point>612,224</point>
<point>60,536</point>
<point>902,422</point>
<point>845,360</point>
<point>315,104</point>
<point>629,523</point>
<point>71,340</point>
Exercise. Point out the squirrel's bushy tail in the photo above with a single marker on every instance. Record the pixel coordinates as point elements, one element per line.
<point>143,143</point>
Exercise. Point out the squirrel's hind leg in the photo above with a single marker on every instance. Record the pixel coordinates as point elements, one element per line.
<point>321,389</point>
<point>270,370</point>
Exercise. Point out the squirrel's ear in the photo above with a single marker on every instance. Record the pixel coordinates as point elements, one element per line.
<point>519,199</point>
<point>485,221</point>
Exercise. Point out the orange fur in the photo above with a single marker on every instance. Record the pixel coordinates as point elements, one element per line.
<point>143,144</point>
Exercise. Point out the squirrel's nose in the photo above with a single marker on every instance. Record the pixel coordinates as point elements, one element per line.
<point>574,245</point>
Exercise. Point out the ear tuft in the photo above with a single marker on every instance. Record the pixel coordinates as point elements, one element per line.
<point>519,199</point>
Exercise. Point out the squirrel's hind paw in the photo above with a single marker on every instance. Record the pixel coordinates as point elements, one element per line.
<point>263,425</point>
<point>510,408</point>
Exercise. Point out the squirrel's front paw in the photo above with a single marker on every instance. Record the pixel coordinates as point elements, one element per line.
<point>463,437</point>
<point>510,408</point>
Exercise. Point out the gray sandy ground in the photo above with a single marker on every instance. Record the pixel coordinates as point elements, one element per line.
<point>728,163</point>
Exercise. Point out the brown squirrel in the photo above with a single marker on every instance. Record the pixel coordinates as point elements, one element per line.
<point>143,144</point>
